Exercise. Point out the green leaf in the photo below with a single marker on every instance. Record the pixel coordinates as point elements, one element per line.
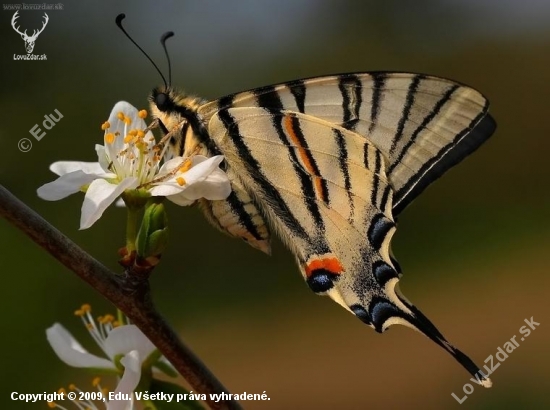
<point>152,237</point>
<point>160,386</point>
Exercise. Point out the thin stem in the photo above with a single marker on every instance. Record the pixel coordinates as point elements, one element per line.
<point>129,292</point>
<point>120,317</point>
<point>132,223</point>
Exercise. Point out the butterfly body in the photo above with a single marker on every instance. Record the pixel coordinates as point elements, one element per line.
<point>327,164</point>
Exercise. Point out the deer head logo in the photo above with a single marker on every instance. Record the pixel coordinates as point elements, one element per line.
<point>29,40</point>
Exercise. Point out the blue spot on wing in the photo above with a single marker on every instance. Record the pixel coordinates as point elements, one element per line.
<point>381,310</point>
<point>321,280</point>
<point>378,229</point>
<point>361,313</point>
<point>383,272</point>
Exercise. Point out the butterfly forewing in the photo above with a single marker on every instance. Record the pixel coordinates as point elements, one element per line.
<point>416,121</point>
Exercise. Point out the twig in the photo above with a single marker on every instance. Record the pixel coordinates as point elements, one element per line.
<point>130,293</point>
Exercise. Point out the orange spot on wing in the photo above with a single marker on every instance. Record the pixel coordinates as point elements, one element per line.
<point>301,150</point>
<point>330,264</point>
<point>305,158</point>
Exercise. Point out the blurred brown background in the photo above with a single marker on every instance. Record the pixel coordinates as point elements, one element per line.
<point>474,247</point>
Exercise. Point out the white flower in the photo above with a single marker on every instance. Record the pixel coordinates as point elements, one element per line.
<point>131,160</point>
<point>124,344</point>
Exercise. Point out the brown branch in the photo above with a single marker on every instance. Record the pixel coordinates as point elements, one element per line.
<point>130,293</point>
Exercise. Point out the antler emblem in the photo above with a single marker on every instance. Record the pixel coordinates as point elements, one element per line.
<point>29,40</point>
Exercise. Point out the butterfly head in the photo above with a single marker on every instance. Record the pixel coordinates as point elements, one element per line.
<point>171,106</point>
<point>174,111</point>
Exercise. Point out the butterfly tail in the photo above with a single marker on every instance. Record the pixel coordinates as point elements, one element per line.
<point>420,322</point>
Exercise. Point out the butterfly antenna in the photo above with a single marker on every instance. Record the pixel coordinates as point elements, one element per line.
<point>118,21</point>
<point>163,39</point>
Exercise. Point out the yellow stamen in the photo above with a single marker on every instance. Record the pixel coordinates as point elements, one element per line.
<point>116,323</point>
<point>52,404</point>
<point>128,138</point>
<point>120,116</point>
<point>89,326</point>
<point>62,391</point>
<point>110,138</point>
<point>133,132</point>
<point>72,387</point>
<point>142,114</point>
<point>96,381</point>
<point>86,307</point>
<point>185,167</point>
<point>140,134</point>
<point>105,125</point>
<point>127,120</point>
<point>79,312</point>
<point>180,181</point>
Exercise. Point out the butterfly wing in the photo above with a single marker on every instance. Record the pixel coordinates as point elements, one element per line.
<point>423,125</point>
<point>238,216</point>
<point>325,192</point>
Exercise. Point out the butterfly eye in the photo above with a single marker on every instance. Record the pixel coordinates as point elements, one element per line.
<point>162,101</point>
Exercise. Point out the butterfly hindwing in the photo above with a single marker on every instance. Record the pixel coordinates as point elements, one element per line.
<point>324,190</point>
<point>238,216</point>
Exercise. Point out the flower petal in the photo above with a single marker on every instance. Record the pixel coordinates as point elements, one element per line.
<point>214,187</point>
<point>180,199</point>
<point>71,352</point>
<point>102,158</point>
<point>65,185</point>
<point>128,382</point>
<point>177,162</point>
<point>118,128</point>
<point>65,167</point>
<point>99,196</point>
<point>127,338</point>
<point>201,169</point>
<point>166,189</point>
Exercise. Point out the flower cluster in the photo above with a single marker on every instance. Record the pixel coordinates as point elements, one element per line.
<point>128,353</point>
<point>131,160</point>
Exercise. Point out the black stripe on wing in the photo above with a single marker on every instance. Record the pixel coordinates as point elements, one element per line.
<point>245,219</point>
<point>409,101</point>
<point>273,104</point>
<point>466,142</point>
<point>351,88</point>
<point>425,122</point>
<point>276,202</point>
<point>343,161</point>
<point>298,90</point>
<point>377,167</point>
<point>379,80</point>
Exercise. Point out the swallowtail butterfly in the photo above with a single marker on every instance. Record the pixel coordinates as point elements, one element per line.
<point>327,164</point>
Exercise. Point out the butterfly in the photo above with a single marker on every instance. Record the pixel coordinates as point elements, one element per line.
<point>327,164</point>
